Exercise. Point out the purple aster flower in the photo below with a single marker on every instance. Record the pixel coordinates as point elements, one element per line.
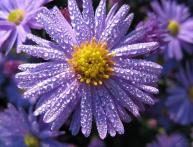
<point>16,19</point>
<point>173,140</point>
<point>180,101</point>
<point>90,70</point>
<point>21,130</point>
<point>176,20</point>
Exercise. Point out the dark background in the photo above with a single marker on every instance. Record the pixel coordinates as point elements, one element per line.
<point>138,133</point>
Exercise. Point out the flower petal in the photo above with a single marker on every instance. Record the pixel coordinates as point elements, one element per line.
<point>75,123</point>
<point>140,65</point>
<point>88,15</point>
<point>47,85</point>
<point>86,111</point>
<point>112,31</point>
<point>65,98</point>
<point>42,52</point>
<point>56,26</point>
<point>100,116</point>
<point>100,16</point>
<point>122,98</point>
<point>135,49</point>
<point>110,110</point>
<point>80,27</point>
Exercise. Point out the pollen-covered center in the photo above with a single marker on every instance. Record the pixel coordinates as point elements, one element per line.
<point>92,62</point>
<point>191,93</point>
<point>173,27</point>
<point>31,141</point>
<point>16,16</point>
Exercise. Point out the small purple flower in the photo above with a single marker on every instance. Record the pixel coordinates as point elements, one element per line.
<point>173,140</point>
<point>21,130</point>
<point>176,20</point>
<point>90,70</point>
<point>16,19</point>
<point>180,100</point>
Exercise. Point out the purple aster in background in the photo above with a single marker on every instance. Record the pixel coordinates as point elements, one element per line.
<point>21,130</point>
<point>180,100</point>
<point>173,140</point>
<point>16,19</point>
<point>8,87</point>
<point>175,18</point>
<point>90,70</point>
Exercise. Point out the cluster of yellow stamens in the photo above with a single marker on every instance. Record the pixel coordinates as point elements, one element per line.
<point>31,141</point>
<point>92,62</point>
<point>173,27</point>
<point>191,93</point>
<point>16,16</point>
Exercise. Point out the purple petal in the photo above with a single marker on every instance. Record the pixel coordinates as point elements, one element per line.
<point>86,111</point>
<point>135,49</point>
<point>136,76</point>
<point>7,45</point>
<point>75,124</point>
<point>135,93</point>
<point>134,37</point>
<point>42,52</point>
<point>100,16</point>
<point>140,65</point>
<point>110,110</point>
<point>47,85</point>
<point>122,98</point>
<point>38,67</point>
<point>5,25</point>
<point>123,114</point>
<point>5,36</point>
<point>112,31</point>
<point>111,13</point>
<point>88,15</point>
<point>56,26</point>
<point>100,116</point>
<point>80,27</point>
<point>61,102</point>
<point>147,88</point>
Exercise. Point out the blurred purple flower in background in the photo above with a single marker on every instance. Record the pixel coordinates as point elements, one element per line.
<point>8,68</point>
<point>180,100</point>
<point>88,72</point>
<point>21,130</point>
<point>175,18</point>
<point>173,140</point>
<point>16,19</point>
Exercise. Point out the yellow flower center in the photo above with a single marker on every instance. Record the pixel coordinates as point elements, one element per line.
<point>191,93</point>
<point>173,27</point>
<point>92,62</point>
<point>31,141</point>
<point>16,16</point>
